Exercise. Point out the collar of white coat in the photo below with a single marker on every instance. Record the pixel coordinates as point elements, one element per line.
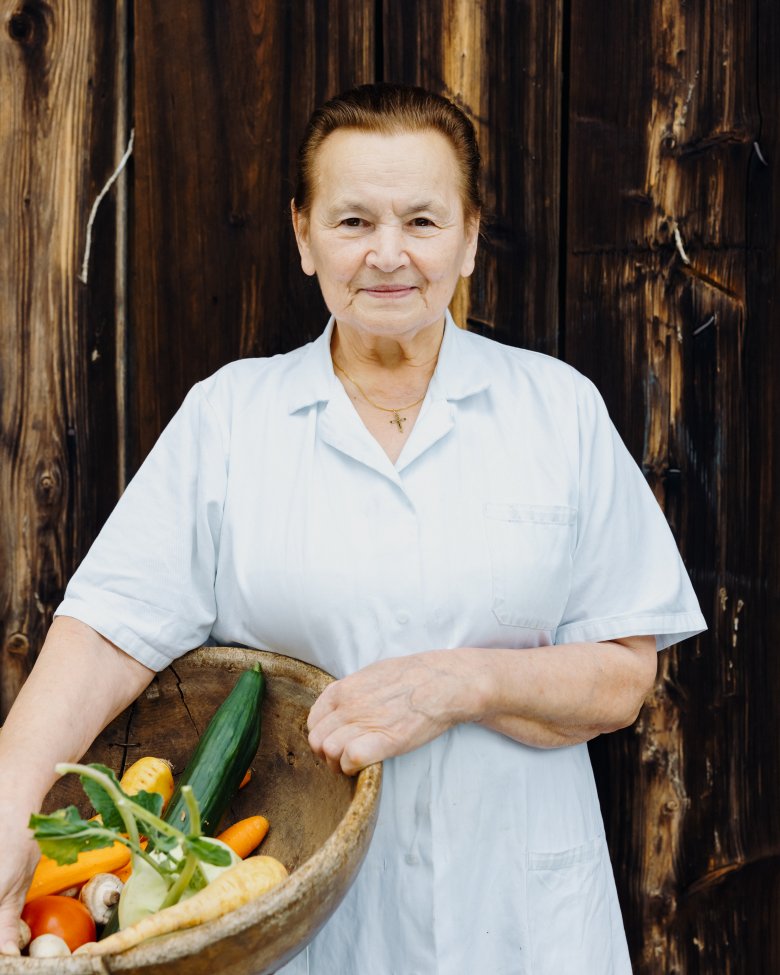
<point>460,370</point>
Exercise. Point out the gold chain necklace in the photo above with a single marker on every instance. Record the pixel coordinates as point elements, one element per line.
<point>397,419</point>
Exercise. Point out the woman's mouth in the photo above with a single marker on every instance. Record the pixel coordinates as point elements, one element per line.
<point>392,292</point>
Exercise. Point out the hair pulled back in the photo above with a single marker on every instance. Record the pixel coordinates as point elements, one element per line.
<point>390,109</point>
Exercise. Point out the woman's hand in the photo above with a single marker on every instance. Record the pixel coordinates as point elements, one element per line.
<point>547,697</point>
<point>20,855</point>
<point>75,665</point>
<point>392,707</point>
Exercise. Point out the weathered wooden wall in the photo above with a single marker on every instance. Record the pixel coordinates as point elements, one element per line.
<point>632,195</point>
<point>672,186</point>
<point>60,69</point>
<point>222,93</point>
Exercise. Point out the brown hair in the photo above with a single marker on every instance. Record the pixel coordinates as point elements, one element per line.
<point>389,109</point>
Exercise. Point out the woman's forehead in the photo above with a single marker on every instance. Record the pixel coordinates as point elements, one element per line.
<point>353,163</point>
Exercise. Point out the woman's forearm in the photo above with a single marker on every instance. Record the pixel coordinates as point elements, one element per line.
<point>561,695</point>
<point>78,684</point>
<point>542,696</point>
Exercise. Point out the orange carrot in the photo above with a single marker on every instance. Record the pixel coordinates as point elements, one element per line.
<point>245,836</point>
<point>51,877</point>
<point>246,778</point>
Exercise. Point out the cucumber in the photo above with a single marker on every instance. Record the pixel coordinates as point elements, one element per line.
<point>223,755</point>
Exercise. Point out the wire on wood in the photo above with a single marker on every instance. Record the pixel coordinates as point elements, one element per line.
<point>93,213</point>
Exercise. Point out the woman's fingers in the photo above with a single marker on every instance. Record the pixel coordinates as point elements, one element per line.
<point>323,706</point>
<point>9,929</point>
<point>362,751</point>
<point>387,709</point>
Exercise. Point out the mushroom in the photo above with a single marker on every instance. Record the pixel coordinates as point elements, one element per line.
<point>100,895</point>
<point>48,946</point>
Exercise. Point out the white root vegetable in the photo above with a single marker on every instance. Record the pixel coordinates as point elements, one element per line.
<point>100,894</point>
<point>85,948</point>
<point>236,886</point>
<point>48,946</point>
<point>25,934</point>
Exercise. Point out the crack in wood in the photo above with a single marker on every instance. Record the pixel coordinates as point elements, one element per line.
<point>127,744</point>
<point>713,283</point>
<point>716,876</point>
<point>180,689</point>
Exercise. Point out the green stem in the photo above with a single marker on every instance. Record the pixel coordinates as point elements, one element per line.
<point>121,803</point>
<point>191,862</point>
<point>192,809</point>
<point>174,894</point>
<point>127,809</point>
<point>131,812</point>
<point>138,812</point>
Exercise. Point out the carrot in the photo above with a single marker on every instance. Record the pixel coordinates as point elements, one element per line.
<point>124,872</point>
<point>51,877</point>
<point>245,836</point>
<point>240,884</point>
<point>246,779</point>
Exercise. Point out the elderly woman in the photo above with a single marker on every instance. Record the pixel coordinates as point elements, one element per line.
<point>450,526</point>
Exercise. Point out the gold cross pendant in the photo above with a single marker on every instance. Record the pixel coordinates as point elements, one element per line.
<point>398,420</point>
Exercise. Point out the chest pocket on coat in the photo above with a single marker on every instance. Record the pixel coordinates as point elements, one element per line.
<point>530,554</point>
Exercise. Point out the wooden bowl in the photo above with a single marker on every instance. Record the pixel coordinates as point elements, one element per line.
<point>321,822</point>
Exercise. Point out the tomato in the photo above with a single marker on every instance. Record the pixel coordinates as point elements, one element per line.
<point>64,916</point>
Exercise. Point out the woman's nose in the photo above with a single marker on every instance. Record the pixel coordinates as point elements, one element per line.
<point>387,249</point>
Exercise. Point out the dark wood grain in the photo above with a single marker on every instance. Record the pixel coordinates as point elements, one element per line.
<point>58,436</point>
<point>658,313</point>
<point>222,94</point>
<point>503,63</point>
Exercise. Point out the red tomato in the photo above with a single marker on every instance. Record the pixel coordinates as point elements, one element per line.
<point>64,916</point>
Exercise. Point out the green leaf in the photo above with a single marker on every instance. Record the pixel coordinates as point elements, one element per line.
<point>101,800</point>
<point>151,801</point>
<point>209,852</point>
<point>105,805</point>
<point>160,841</point>
<point>64,834</point>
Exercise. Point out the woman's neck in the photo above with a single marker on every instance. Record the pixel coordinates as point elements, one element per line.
<point>388,358</point>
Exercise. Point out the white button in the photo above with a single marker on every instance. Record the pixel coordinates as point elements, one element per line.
<point>402,616</point>
<point>412,860</point>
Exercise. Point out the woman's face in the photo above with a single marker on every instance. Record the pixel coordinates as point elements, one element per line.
<point>385,233</point>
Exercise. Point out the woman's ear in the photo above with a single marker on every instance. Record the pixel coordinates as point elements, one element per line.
<point>472,239</point>
<point>300,222</point>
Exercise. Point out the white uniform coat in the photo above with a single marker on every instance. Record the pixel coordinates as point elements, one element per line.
<point>267,515</point>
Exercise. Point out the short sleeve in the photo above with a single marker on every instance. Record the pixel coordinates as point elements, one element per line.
<point>147,582</point>
<point>627,578</point>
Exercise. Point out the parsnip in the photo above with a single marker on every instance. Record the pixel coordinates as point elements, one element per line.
<point>236,886</point>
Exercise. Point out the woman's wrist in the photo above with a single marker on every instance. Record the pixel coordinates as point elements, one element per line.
<point>475,696</point>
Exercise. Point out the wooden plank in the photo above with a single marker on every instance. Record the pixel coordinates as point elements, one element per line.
<point>58,443</point>
<point>730,911</point>
<point>661,137</point>
<point>220,104</point>
<point>502,62</point>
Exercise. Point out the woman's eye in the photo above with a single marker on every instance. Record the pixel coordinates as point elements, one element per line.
<point>422,222</point>
<point>352,222</point>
